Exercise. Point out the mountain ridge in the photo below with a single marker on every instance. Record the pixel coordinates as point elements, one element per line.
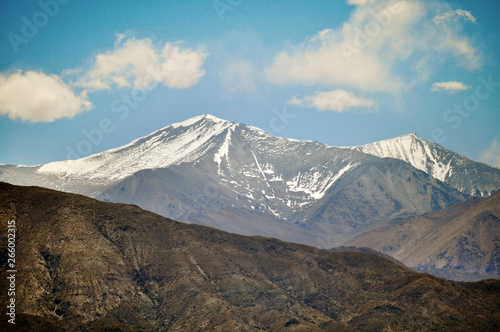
<point>91,265</point>
<point>273,183</point>
<point>424,155</point>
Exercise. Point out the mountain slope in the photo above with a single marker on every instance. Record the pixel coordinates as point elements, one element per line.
<point>280,187</point>
<point>86,264</point>
<point>461,242</point>
<point>240,178</point>
<point>470,177</point>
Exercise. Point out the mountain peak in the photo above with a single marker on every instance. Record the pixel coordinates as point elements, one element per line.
<point>407,137</point>
<point>196,119</point>
<point>435,160</point>
<point>412,135</point>
<point>412,138</point>
<point>414,150</point>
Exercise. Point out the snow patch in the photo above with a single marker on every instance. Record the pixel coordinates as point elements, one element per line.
<point>316,184</point>
<point>224,149</point>
<point>276,179</point>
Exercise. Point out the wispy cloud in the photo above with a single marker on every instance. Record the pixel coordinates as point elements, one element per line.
<point>359,2</point>
<point>136,62</point>
<point>452,86</point>
<point>491,155</point>
<point>381,38</point>
<point>37,97</point>
<point>238,78</point>
<point>454,15</point>
<point>336,100</point>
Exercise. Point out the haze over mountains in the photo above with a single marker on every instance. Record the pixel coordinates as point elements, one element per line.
<point>88,265</point>
<point>461,242</point>
<point>240,178</point>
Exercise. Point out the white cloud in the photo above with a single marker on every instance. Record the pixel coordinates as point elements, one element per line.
<point>454,15</point>
<point>137,63</point>
<point>381,40</point>
<point>452,86</point>
<point>180,68</point>
<point>35,96</point>
<point>336,100</point>
<point>491,155</point>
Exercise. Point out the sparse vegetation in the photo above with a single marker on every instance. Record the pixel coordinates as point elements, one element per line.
<point>92,265</point>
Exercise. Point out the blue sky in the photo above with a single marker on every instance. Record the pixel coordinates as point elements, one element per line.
<point>81,77</point>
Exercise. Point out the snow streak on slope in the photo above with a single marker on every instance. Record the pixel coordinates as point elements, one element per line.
<point>224,149</point>
<point>181,142</point>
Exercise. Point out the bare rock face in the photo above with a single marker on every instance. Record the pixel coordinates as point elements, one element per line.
<point>461,242</point>
<point>89,265</point>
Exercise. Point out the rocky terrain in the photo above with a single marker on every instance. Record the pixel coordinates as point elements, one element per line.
<point>461,242</point>
<point>88,265</point>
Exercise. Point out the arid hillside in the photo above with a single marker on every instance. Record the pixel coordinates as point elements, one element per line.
<point>89,265</point>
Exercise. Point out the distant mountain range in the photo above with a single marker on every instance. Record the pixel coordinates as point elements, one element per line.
<point>87,265</point>
<point>241,179</point>
<point>461,242</point>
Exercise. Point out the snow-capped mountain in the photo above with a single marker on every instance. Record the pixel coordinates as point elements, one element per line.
<point>174,144</point>
<point>470,177</point>
<point>179,142</point>
<point>242,179</point>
